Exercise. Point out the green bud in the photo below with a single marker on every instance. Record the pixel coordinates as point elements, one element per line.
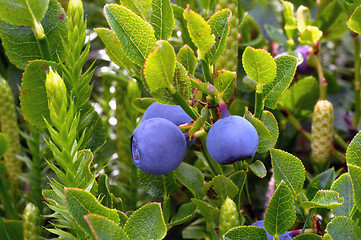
<point>57,97</point>
<point>75,10</point>
<point>229,58</point>
<point>38,30</point>
<point>322,132</point>
<point>133,90</point>
<point>9,127</point>
<point>228,217</point>
<point>31,222</point>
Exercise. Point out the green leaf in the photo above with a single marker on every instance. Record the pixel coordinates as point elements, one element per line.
<point>323,181</point>
<point>343,228</point>
<point>343,185</point>
<point>225,82</point>
<point>21,45</point>
<point>262,130</point>
<point>51,196</point>
<point>324,199</point>
<point>276,35</point>
<point>307,236</point>
<point>181,82</point>
<point>104,192</point>
<point>258,169</point>
<point>207,4</point>
<point>354,22</point>
<point>22,12</point>
<point>281,211</point>
<point>184,214</point>
<point>259,65</point>
<point>290,20</point>
<point>194,233</point>
<point>14,228</point>
<point>209,212</point>
<point>158,185</point>
<point>354,151</point>
<point>301,97</point>
<point>162,19</point>
<point>218,189</point>
<point>4,144</point>
<point>113,48</point>
<point>80,203</point>
<point>331,21</point>
<point>191,177</point>
<point>355,173</point>
<point>272,125</point>
<point>186,57</point>
<point>140,7</point>
<point>219,23</point>
<point>310,36</point>
<point>104,229</point>
<point>288,168</point>
<point>146,223</point>
<point>303,18</point>
<point>136,36</point>
<point>159,66</point>
<point>286,68</point>
<point>141,104</point>
<point>199,31</point>
<point>245,233</point>
<point>33,97</point>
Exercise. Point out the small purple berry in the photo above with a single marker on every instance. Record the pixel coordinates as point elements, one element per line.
<point>158,146</point>
<point>232,139</point>
<point>304,68</point>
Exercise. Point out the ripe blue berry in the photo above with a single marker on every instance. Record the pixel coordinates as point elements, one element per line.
<point>232,139</point>
<point>158,146</point>
<point>304,68</point>
<point>285,236</point>
<point>173,113</point>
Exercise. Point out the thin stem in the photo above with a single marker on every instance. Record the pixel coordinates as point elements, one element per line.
<point>305,224</point>
<point>340,141</point>
<point>183,103</point>
<point>357,81</point>
<point>44,48</point>
<point>216,169</point>
<point>321,77</point>
<point>259,103</point>
<point>133,187</point>
<point>206,71</point>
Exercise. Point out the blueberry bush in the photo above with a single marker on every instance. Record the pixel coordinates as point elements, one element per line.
<point>171,119</point>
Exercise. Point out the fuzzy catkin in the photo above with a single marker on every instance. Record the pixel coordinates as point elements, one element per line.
<point>31,222</point>
<point>9,127</point>
<point>229,58</point>
<point>322,131</point>
<point>228,217</point>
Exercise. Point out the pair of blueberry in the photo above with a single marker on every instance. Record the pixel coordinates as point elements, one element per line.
<point>158,146</point>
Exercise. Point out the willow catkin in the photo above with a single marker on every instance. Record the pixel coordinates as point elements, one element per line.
<point>31,222</point>
<point>322,131</point>
<point>9,127</point>
<point>229,58</point>
<point>228,217</point>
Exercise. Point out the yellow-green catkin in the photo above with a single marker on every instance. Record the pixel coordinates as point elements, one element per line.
<point>229,58</point>
<point>228,217</point>
<point>322,132</point>
<point>31,222</point>
<point>9,127</point>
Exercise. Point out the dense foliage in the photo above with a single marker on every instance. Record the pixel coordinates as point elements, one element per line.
<point>170,119</point>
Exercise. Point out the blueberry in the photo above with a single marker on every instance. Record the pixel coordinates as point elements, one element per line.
<point>260,223</point>
<point>304,68</point>
<point>173,113</point>
<point>158,146</point>
<point>232,139</point>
